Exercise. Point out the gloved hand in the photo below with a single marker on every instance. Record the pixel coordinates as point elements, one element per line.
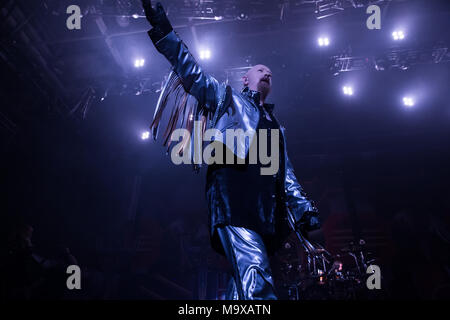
<point>309,221</point>
<point>158,20</point>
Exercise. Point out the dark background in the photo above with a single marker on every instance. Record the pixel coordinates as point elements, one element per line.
<point>74,167</point>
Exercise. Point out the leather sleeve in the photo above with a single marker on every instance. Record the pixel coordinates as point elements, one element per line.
<point>198,83</point>
<point>296,198</point>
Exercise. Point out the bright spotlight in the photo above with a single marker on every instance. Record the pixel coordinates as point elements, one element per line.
<point>205,54</point>
<point>348,91</point>
<point>136,16</point>
<point>139,63</point>
<point>398,35</point>
<point>408,101</point>
<point>145,135</point>
<point>323,42</point>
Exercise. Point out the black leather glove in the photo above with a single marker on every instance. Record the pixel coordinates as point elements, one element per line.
<point>158,20</point>
<point>309,221</point>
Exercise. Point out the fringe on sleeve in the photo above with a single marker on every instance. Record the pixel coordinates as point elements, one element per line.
<point>183,112</point>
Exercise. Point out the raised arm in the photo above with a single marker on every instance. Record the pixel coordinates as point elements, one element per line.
<point>195,81</point>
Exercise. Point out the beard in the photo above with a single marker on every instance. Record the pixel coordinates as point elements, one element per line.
<point>264,87</point>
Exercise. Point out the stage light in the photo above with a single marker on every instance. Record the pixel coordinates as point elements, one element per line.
<point>139,63</point>
<point>136,16</point>
<point>242,16</point>
<point>323,42</point>
<point>145,135</point>
<point>408,101</point>
<point>104,95</point>
<point>348,91</point>
<point>205,54</point>
<point>398,35</point>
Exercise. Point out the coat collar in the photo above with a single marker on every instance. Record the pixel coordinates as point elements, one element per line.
<point>255,96</point>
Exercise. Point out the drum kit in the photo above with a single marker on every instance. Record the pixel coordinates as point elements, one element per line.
<point>324,276</point>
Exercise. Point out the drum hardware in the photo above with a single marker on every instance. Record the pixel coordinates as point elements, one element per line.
<point>327,276</point>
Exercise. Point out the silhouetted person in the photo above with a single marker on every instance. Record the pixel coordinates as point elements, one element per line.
<point>30,275</point>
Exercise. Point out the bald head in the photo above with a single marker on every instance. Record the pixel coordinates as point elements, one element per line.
<point>259,78</point>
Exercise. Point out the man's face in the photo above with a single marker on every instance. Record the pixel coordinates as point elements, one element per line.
<point>259,78</point>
